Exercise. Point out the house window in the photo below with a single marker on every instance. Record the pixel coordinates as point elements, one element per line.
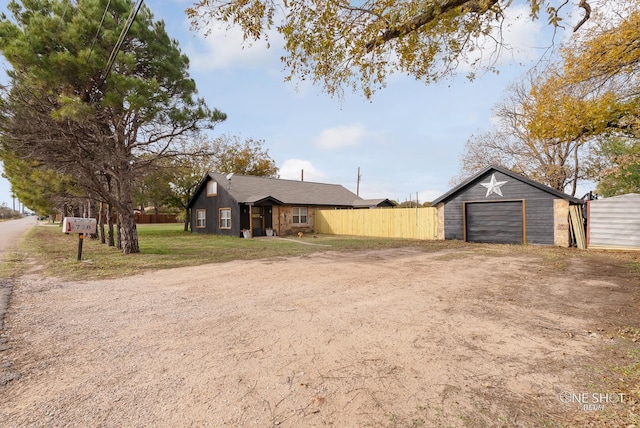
<point>212,188</point>
<point>225,218</point>
<point>299,215</point>
<point>201,218</point>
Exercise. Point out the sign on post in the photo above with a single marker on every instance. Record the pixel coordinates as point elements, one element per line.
<point>81,226</point>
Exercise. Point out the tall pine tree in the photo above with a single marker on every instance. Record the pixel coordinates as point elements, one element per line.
<point>63,109</point>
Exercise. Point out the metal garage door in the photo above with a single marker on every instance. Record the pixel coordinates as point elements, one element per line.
<point>495,222</point>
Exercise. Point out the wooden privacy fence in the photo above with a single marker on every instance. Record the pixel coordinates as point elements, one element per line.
<point>140,218</point>
<point>155,218</point>
<point>411,223</point>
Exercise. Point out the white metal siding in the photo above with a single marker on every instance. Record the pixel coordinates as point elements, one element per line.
<point>615,222</point>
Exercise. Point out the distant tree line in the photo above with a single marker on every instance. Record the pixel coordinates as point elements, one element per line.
<point>8,213</point>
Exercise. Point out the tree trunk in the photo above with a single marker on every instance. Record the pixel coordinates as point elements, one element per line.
<point>187,219</point>
<point>118,234</point>
<point>576,170</point>
<point>127,231</point>
<point>110,238</point>
<point>101,223</point>
<point>92,207</point>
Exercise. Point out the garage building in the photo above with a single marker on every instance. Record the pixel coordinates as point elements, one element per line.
<point>499,206</point>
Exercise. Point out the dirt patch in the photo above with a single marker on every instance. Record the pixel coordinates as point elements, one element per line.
<point>378,338</point>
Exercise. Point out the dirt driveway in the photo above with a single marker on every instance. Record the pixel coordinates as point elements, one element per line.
<point>469,337</point>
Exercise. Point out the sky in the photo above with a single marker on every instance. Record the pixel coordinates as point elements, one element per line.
<point>407,140</point>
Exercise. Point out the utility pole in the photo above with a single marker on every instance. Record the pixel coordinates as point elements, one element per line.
<point>302,175</point>
<point>358,183</point>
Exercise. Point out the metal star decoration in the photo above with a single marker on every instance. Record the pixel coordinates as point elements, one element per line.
<point>493,186</point>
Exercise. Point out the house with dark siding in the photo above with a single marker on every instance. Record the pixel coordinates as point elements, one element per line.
<point>241,205</point>
<point>500,206</point>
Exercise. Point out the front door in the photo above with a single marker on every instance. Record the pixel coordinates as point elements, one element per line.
<point>257,221</point>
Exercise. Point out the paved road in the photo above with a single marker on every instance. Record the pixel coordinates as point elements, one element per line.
<point>10,232</point>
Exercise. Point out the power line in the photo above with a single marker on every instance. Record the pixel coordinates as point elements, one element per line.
<point>95,38</point>
<point>64,12</point>
<point>118,45</point>
<point>123,35</point>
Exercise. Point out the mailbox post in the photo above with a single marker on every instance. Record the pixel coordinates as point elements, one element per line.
<point>81,226</point>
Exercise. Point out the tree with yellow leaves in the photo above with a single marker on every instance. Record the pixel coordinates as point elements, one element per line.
<point>595,99</point>
<point>560,124</point>
<point>358,44</point>
<point>552,161</point>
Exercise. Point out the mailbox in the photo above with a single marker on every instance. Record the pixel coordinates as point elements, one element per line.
<point>79,225</point>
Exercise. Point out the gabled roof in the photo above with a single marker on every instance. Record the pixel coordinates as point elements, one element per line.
<point>372,203</point>
<point>248,189</point>
<point>472,181</point>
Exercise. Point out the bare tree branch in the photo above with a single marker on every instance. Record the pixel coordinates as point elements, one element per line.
<point>587,14</point>
<point>431,12</point>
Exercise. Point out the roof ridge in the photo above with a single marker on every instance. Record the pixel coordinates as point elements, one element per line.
<point>276,178</point>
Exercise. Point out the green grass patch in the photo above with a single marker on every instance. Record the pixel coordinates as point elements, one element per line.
<point>634,266</point>
<point>164,246</point>
<point>12,264</point>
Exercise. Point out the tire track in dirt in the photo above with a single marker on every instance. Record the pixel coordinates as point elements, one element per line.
<point>378,338</point>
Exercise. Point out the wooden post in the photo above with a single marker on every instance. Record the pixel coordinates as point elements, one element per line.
<point>81,226</point>
<point>80,240</point>
<point>250,220</point>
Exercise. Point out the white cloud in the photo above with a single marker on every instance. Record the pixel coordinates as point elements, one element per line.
<point>371,188</point>
<point>341,136</point>
<point>522,34</point>
<point>429,195</point>
<point>520,40</point>
<point>292,169</point>
<point>225,48</point>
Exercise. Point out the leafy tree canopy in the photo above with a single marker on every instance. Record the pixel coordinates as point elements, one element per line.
<point>616,167</point>
<point>247,157</point>
<point>41,189</point>
<point>595,89</point>
<point>357,45</point>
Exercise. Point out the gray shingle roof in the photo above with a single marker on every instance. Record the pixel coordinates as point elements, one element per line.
<point>249,189</point>
<point>471,181</point>
<point>369,203</point>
